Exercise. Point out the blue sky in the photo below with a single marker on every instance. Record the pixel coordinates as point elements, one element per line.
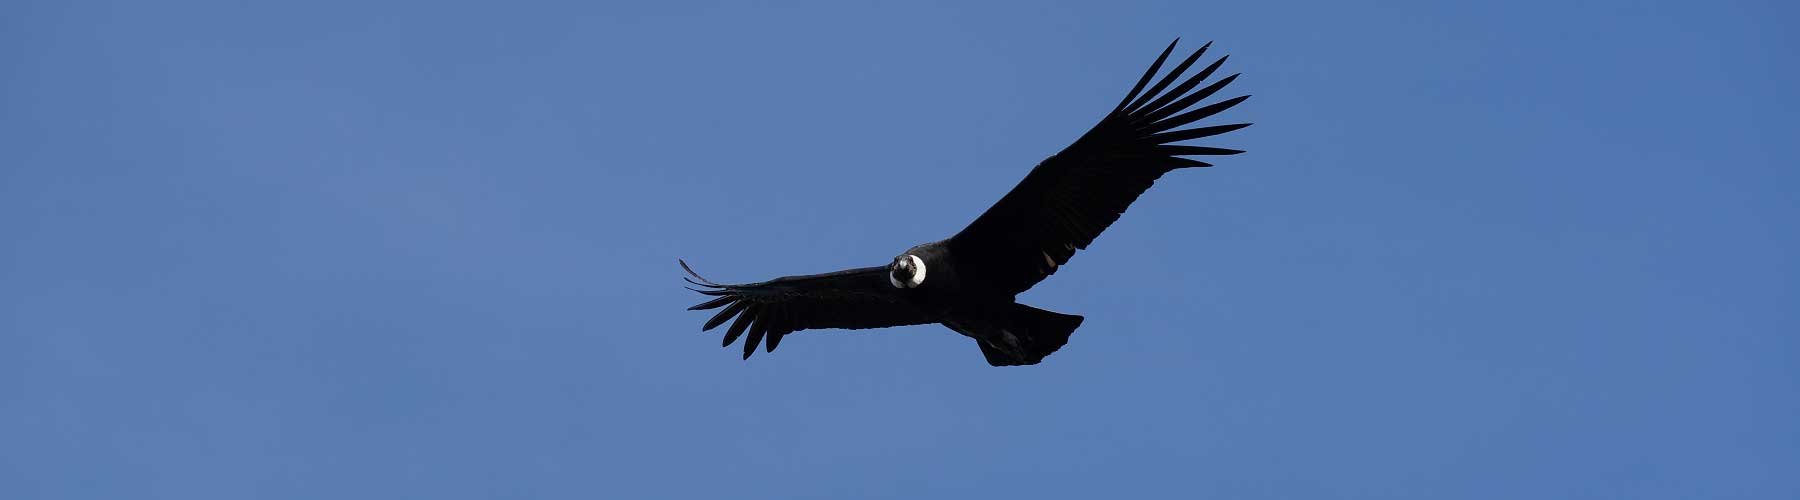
<point>427,250</point>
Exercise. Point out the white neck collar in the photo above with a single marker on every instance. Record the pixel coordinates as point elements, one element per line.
<point>918,276</point>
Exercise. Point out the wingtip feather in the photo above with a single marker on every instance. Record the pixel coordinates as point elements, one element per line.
<point>724,314</point>
<point>737,327</point>
<point>1145,80</point>
<point>702,281</point>
<point>758,328</point>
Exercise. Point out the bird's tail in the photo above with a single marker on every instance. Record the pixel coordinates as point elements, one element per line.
<point>1026,335</point>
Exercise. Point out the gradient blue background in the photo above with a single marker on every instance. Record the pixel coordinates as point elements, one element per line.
<point>427,250</point>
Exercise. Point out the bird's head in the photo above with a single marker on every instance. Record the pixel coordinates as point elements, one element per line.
<point>907,271</point>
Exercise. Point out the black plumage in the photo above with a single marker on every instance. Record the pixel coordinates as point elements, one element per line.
<point>968,281</point>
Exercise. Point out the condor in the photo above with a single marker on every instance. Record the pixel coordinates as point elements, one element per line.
<point>968,282</point>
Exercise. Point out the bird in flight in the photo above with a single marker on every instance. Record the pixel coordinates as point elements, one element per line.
<point>968,282</point>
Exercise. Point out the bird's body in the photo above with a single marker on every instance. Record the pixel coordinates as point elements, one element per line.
<point>978,305</point>
<point>969,282</point>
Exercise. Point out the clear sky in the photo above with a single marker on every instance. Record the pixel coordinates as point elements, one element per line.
<point>427,250</point>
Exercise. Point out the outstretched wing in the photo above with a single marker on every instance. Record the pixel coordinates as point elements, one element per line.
<point>851,299</point>
<point>1069,198</point>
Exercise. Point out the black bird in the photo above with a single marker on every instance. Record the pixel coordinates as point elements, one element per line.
<point>968,282</point>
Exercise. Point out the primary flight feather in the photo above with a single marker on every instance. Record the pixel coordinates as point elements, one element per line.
<point>968,282</point>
